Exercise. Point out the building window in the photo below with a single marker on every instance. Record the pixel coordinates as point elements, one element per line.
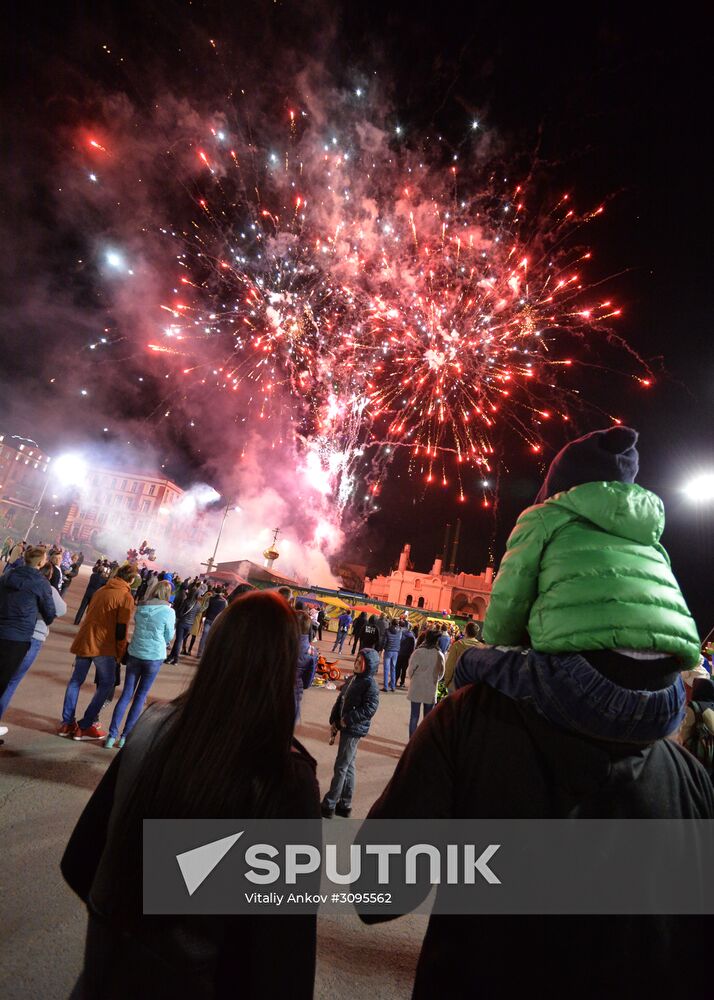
<point>135,487</point>
<point>123,484</point>
<point>417,586</point>
<point>409,600</point>
<point>145,506</point>
<point>152,490</point>
<point>420,602</point>
<point>114,484</point>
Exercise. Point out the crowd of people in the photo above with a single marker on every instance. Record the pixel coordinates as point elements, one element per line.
<point>571,705</point>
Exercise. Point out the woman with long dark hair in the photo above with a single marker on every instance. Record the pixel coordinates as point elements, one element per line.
<point>223,749</point>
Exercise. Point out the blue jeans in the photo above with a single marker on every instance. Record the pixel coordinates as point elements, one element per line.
<point>342,788</point>
<point>414,717</point>
<point>181,633</point>
<point>204,637</point>
<point>390,669</point>
<point>339,640</point>
<point>569,692</point>
<point>27,661</point>
<point>140,675</point>
<point>106,676</point>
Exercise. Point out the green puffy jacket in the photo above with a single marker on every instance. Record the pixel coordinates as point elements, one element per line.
<point>585,570</point>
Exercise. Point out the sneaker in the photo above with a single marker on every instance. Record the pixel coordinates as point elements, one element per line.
<point>122,741</point>
<point>92,732</point>
<point>4,730</point>
<point>67,729</point>
<point>385,689</point>
<point>342,811</point>
<point>109,742</point>
<point>327,813</point>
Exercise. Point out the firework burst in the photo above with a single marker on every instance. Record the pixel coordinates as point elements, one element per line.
<point>365,296</point>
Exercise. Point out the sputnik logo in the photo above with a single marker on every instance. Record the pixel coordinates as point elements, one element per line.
<point>196,865</point>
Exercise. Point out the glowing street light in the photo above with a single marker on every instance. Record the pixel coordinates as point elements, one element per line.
<point>700,489</point>
<point>68,470</point>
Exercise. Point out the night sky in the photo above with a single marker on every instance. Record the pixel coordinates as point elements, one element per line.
<point>613,107</point>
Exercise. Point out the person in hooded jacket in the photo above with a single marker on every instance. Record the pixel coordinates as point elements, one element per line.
<point>154,627</point>
<point>586,581</point>
<point>585,569</point>
<point>102,638</point>
<point>357,628</point>
<point>97,579</point>
<point>351,716</point>
<point>25,598</point>
<point>406,648</point>
<point>369,636</point>
<point>392,645</point>
<point>186,611</point>
<point>24,593</point>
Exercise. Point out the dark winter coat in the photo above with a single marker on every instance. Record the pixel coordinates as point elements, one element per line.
<point>406,647</point>
<point>186,611</point>
<point>25,595</point>
<point>183,956</point>
<point>214,607</point>
<point>358,700</point>
<point>96,580</point>
<point>479,755</point>
<point>369,636</point>
<point>381,626</point>
<point>359,624</point>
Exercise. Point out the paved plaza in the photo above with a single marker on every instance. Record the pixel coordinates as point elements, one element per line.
<point>45,781</point>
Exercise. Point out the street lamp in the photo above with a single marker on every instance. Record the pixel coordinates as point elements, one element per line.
<point>67,470</point>
<point>211,564</point>
<point>700,489</point>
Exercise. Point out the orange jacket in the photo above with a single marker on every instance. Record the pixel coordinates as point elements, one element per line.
<point>112,605</point>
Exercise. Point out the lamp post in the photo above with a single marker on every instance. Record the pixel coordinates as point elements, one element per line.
<point>211,563</point>
<point>36,510</point>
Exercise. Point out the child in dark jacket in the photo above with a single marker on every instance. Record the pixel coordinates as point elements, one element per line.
<point>351,716</point>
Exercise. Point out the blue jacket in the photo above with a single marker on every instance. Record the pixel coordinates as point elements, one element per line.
<point>25,595</point>
<point>393,641</point>
<point>307,663</point>
<point>344,622</point>
<point>444,642</point>
<point>358,699</point>
<point>154,627</point>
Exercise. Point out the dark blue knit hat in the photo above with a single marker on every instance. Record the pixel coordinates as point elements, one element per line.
<point>609,456</point>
